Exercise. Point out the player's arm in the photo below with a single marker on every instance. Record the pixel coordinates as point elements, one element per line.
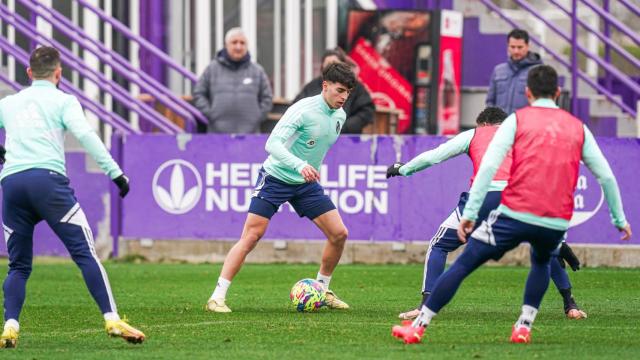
<point>452,148</point>
<point>201,96</point>
<point>74,120</point>
<point>265,97</point>
<point>491,161</point>
<point>491,94</point>
<point>596,162</point>
<point>286,127</point>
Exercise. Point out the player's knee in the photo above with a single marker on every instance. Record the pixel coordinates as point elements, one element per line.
<point>254,233</point>
<point>340,236</point>
<point>250,239</point>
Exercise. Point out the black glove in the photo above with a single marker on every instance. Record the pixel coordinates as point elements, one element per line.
<point>122,182</point>
<point>566,254</point>
<point>394,170</point>
<point>3,151</point>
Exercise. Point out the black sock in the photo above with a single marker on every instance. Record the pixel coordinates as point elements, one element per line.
<point>567,298</point>
<point>425,296</point>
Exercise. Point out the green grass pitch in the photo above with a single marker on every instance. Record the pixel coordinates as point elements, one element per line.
<point>166,301</point>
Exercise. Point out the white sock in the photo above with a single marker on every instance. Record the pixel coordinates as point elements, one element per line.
<point>324,280</point>
<point>527,317</point>
<point>12,323</point>
<point>220,293</point>
<point>424,318</point>
<point>111,316</point>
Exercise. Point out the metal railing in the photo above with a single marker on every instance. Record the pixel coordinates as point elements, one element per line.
<point>572,39</point>
<point>76,63</point>
<point>124,30</point>
<point>117,122</point>
<point>117,62</point>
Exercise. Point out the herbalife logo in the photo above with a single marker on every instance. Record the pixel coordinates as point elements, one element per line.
<point>587,199</point>
<point>177,186</point>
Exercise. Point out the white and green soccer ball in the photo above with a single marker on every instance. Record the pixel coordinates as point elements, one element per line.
<point>308,295</point>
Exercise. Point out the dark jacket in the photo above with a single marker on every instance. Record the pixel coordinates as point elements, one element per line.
<point>234,95</point>
<point>359,106</point>
<point>508,82</point>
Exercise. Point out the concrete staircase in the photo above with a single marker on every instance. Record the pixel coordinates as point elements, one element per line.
<point>603,117</point>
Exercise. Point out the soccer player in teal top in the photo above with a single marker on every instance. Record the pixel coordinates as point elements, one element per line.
<point>547,145</point>
<point>35,188</point>
<point>296,148</point>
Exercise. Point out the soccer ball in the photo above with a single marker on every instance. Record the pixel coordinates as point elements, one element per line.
<point>308,295</point>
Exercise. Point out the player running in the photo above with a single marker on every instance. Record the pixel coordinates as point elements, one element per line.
<point>296,148</point>
<point>474,143</point>
<point>35,188</point>
<point>547,145</point>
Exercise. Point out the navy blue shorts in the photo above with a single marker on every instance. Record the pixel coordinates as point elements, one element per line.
<point>505,233</point>
<point>446,237</point>
<point>307,199</point>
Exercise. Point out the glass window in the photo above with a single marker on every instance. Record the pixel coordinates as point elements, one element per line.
<point>264,34</point>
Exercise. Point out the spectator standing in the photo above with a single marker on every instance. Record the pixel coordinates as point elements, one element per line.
<point>233,92</point>
<point>509,79</point>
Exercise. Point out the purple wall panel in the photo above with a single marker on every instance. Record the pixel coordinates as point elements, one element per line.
<point>204,185</point>
<point>482,52</point>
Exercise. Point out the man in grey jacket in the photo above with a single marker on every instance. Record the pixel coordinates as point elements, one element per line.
<point>509,79</point>
<point>233,92</point>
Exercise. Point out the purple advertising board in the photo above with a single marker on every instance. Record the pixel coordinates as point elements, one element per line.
<point>200,186</point>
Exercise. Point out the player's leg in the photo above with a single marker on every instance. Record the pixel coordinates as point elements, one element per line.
<point>20,249</point>
<point>475,254</point>
<point>443,242</point>
<point>18,221</point>
<point>331,225</point>
<point>268,196</point>
<point>560,278</point>
<point>446,241</point>
<point>253,230</point>
<point>67,219</point>
<point>495,236</point>
<point>543,241</point>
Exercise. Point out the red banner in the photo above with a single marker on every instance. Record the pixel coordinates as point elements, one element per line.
<point>387,87</point>
<point>449,79</point>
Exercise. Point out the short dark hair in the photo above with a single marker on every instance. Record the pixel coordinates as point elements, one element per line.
<point>44,61</point>
<point>542,81</point>
<point>491,115</point>
<point>340,73</point>
<point>337,52</point>
<point>519,34</point>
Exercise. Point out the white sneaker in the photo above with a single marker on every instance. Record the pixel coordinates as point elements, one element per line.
<point>576,314</point>
<point>333,302</point>
<point>409,315</point>
<point>217,305</point>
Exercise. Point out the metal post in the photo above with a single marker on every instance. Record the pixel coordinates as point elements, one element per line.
<point>574,57</point>
<point>608,79</point>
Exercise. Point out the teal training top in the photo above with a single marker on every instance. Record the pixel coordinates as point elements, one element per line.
<point>452,148</point>
<point>36,119</point>
<point>500,146</point>
<point>302,136</point>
